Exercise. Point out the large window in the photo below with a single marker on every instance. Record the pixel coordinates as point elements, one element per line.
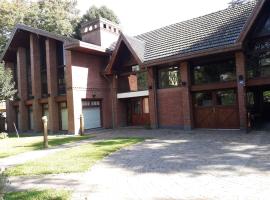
<point>169,77</point>
<point>43,67</point>
<point>61,68</point>
<point>29,76</point>
<point>259,59</point>
<point>214,72</point>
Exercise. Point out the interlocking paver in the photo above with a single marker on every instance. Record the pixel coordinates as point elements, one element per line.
<point>196,165</point>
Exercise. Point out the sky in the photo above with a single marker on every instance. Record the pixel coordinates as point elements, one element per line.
<point>140,16</point>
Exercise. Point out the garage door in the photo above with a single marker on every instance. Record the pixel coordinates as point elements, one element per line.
<point>91,112</point>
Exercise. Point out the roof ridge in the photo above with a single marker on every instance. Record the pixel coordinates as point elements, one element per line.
<point>202,16</point>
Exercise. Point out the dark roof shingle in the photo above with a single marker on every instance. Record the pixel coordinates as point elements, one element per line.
<point>218,29</point>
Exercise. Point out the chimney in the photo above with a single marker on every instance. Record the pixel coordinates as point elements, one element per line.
<point>101,32</point>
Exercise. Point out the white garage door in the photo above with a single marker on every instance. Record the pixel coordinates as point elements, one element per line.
<point>91,113</point>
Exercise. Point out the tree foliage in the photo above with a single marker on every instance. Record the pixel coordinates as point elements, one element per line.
<point>93,13</point>
<point>57,16</point>
<point>7,85</point>
<point>233,3</point>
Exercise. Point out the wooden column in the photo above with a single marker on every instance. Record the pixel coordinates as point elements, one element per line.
<point>186,96</point>
<point>22,89</point>
<point>241,89</point>
<point>51,60</point>
<point>36,82</point>
<point>11,114</point>
<point>152,97</point>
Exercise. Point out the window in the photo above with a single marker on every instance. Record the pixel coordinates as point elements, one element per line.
<point>169,77</point>
<point>214,72</point>
<point>29,76</point>
<point>60,53</point>
<point>43,67</point>
<point>259,59</point>
<point>226,98</point>
<point>203,99</point>
<point>61,68</point>
<point>90,103</point>
<point>266,96</point>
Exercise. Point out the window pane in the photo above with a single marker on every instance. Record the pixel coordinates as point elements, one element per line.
<point>214,72</point>
<point>266,97</point>
<point>226,98</point>
<point>142,81</point>
<point>203,99</point>
<point>169,77</point>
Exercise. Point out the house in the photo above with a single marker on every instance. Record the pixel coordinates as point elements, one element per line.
<point>208,72</point>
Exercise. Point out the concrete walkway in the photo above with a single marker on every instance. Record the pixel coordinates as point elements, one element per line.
<point>173,165</point>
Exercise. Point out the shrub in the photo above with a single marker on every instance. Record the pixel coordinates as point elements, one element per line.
<point>3,135</point>
<point>3,184</point>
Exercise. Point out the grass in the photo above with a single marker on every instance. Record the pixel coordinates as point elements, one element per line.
<point>12,146</point>
<point>39,195</point>
<point>76,159</point>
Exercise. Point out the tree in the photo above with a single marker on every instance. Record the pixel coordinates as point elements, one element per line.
<point>57,16</point>
<point>7,85</point>
<point>234,3</point>
<point>93,13</point>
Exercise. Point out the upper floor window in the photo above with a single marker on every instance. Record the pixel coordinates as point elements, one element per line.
<point>29,75</point>
<point>259,59</point>
<point>43,67</point>
<point>169,77</point>
<point>221,71</point>
<point>60,53</point>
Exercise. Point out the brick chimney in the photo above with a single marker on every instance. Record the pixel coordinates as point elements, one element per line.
<point>101,32</point>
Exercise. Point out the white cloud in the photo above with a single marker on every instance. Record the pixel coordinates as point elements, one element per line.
<point>139,16</point>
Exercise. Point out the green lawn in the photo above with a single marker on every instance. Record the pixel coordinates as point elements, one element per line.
<point>39,195</point>
<point>76,159</point>
<point>12,146</point>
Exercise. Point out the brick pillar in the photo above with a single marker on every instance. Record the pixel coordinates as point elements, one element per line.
<point>115,114</point>
<point>186,96</point>
<point>241,90</point>
<point>22,89</point>
<point>52,85</point>
<point>70,102</point>
<point>36,82</point>
<point>11,114</point>
<point>152,97</point>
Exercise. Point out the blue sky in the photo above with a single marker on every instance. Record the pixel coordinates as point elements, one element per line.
<point>139,16</point>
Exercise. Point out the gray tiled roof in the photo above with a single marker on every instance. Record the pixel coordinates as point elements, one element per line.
<point>137,45</point>
<point>219,29</point>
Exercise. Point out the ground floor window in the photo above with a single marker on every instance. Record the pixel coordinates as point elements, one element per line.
<point>63,116</point>
<point>30,118</point>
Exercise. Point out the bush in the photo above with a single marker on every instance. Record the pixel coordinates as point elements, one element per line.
<point>3,135</point>
<point>3,184</point>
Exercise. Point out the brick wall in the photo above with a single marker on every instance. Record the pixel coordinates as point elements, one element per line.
<point>170,111</point>
<point>88,83</point>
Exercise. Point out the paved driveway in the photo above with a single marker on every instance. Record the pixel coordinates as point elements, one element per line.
<point>194,166</point>
<point>197,165</point>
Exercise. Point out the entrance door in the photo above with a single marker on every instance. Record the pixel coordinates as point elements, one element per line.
<point>92,114</point>
<point>138,111</point>
<point>216,109</point>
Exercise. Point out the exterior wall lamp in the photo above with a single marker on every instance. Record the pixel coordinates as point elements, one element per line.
<point>241,80</point>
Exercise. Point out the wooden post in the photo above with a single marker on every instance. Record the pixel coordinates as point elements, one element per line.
<point>81,124</point>
<point>45,131</point>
